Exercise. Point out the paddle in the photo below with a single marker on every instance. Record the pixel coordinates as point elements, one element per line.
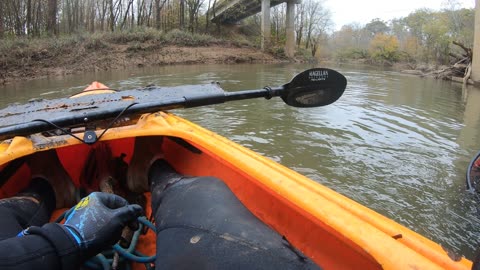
<point>473,174</point>
<point>311,88</point>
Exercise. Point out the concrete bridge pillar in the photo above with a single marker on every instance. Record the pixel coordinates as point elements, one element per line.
<point>476,46</point>
<point>265,24</point>
<point>290,27</point>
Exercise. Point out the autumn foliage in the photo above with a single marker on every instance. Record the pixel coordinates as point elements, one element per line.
<point>384,47</point>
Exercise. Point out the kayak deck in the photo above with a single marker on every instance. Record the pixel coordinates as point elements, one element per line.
<point>334,231</point>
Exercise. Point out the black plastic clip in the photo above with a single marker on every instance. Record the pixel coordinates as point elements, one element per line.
<point>90,137</point>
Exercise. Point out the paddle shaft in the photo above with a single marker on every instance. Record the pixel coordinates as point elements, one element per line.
<point>310,88</point>
<point>187,101</point>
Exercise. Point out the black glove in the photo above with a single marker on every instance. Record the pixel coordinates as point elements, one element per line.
<point>96,222</point>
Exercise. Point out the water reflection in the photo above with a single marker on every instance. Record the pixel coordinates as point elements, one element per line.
<point>396,143</point>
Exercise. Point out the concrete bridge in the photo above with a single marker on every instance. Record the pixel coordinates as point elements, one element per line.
<point>232,11</point>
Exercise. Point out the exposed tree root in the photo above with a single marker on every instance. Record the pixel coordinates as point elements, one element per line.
<point>460,70</point>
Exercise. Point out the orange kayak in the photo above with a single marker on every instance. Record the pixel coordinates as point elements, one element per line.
<point>331,229</point>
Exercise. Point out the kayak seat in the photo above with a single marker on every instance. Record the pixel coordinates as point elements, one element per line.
<point>202,225</point>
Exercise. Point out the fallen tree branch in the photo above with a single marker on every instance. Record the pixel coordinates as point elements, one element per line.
<point>468,73</point>
<point>467,50</point>
<point>460,68</point>
<point>455,56</point>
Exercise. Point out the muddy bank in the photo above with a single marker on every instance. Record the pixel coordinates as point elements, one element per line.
<point>25,59</point>
<point>43,63</point>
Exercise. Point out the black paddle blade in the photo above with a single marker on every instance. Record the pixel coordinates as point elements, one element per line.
<point>314,87</point>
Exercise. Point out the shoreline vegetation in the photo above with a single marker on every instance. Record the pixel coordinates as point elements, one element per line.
<point>24,59</point>
<point>41,38</point>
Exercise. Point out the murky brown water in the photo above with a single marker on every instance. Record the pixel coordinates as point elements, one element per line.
<point>395,143</point>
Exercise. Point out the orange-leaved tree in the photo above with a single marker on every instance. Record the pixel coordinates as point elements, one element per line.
<point>384,47</point>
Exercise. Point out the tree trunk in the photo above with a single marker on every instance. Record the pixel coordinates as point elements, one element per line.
<point>132,25</point>
<point>207,19</point>
<point>74,16</point>
<point>103,15</point>
<point>92,17</point>
<point>40,20</point>
<point>140,7</point>
<point>214,14</point>
<point>69,15</point>
<point>299,22</point>
<point>29,17</point>
<point>196,22</point>
<point>157,15</point>
<point>299,37</point>
<point>112,16</point>
<point>191,20</point>
<point>149,15</point>
<point>52,18</point>
<point>82,16</point>
<point>2,12</point>
<point>130,3</point>
<point>182,14</point>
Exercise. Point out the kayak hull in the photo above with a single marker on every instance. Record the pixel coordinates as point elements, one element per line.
<point>334,231</point>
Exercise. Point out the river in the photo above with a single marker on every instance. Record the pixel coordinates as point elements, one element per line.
<point>396,143</point>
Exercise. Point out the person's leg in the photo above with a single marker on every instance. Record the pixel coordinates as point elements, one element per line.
<point>49,188</point>
<point>202,225</point>
<point>31,207</point>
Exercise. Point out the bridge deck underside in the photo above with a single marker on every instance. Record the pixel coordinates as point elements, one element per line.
<point>231,12</point>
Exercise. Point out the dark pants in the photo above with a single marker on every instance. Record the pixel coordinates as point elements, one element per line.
<point>18,213</point>
<point>200,225</point>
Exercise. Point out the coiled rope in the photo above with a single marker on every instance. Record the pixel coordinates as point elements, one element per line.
<point>103,261</point>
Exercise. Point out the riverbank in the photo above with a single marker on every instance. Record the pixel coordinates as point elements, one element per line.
<point>448,73</point>
<point>441,72</point>
<point>24,59</point>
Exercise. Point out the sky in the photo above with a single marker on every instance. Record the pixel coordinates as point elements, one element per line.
<point>363,11</point>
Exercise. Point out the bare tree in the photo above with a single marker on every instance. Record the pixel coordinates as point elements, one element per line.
<point>125,17</point>
<point>278,17</point>
<point>207,18</point>
<point>91,16</point>
<point>193,9</point>
<point>158,8</point>
<point>112,15</point>
<point>299,23</point>
<point>29,17</point>
<point>37,17</point>
<point>149,13</point>
<point>182,14</point>
<point>317,20</point>
<point>52,18</point>
<point>2,18</point>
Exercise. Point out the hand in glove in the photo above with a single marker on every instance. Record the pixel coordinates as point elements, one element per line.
<point>96,222</point>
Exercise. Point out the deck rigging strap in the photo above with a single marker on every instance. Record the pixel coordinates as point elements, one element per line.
<point>87,140</point>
